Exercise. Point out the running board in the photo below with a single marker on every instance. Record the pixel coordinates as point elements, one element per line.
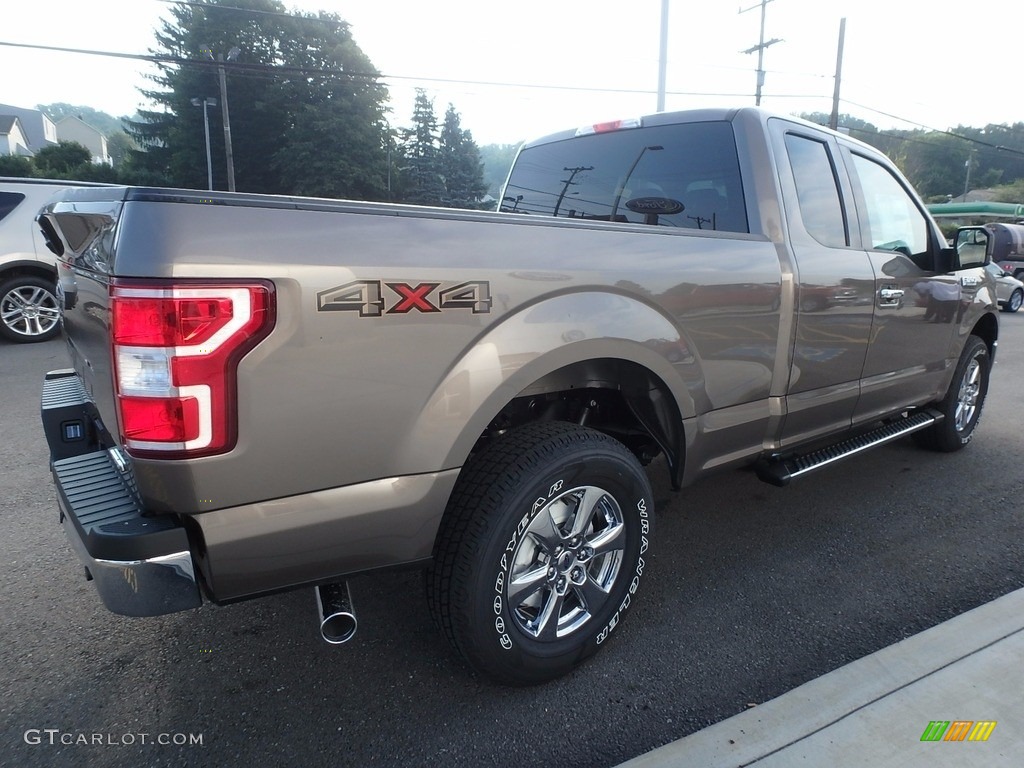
<point>780,470</point>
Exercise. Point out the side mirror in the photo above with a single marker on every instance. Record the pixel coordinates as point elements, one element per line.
<point>972,247</point>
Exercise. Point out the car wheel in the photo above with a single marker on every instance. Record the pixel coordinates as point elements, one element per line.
<point>28,309</point>
<point>541,551</point>
<point>1016,299</point>
<point>961,407</point>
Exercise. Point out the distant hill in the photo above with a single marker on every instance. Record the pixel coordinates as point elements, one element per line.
<point>103,122</point>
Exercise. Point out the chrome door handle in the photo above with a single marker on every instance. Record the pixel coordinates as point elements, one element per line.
<point>890,295</point>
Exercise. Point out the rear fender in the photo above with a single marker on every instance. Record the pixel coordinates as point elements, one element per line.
<point>587,339</point>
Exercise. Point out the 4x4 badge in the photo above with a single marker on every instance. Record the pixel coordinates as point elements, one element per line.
<point>370,299</point>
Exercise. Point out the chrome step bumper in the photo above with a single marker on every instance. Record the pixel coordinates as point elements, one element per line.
<point>141,564</point>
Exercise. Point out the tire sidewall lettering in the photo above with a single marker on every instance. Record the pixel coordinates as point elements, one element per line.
<point>634,585</point>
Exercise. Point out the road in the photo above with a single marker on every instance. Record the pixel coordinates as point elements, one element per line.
<point>751,591</point>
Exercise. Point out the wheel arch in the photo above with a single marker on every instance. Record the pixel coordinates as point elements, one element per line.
<point>629,361</point>
<point>987,329</point>
<point>27,268</point>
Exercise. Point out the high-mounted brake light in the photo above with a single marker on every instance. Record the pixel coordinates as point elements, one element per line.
<point>615,125</point>
<point>176,350</point>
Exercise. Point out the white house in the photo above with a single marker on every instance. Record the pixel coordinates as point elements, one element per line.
<point>12,138</point>
<point>73,128</point>
<point>39,130</point>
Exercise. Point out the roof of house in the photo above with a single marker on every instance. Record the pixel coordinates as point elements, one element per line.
<point>77,119</point>
<point>32,124</point>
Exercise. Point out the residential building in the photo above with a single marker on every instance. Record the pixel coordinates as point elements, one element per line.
<point>39,130</point>
<point>73,128</point>
<point>12,137</point>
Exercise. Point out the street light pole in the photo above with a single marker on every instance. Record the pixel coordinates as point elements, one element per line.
<point>232,55</point>
<point>209,101</point>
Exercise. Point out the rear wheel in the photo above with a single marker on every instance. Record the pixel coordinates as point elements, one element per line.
<point>1016,299</point>
<point>28,309</point>
<point>961,407</point>
<point>541,551</point>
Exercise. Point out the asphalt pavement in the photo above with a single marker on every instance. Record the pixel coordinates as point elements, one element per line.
<point>949,696</point>
<point>754,594</point>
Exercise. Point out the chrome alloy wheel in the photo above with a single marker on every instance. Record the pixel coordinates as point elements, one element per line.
<point>29,310</point>
<point>566,563</point>
<point>967,399</point>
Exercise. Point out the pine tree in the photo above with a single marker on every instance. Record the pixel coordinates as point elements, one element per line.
<point>422,179</point>
<point>460,164</point>
<point>306,108</point>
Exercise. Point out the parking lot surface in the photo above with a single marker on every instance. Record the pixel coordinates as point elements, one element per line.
<point>752,591</point>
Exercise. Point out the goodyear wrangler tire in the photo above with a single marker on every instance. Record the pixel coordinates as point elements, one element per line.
<point>541,551</point>
<point>962,404</point>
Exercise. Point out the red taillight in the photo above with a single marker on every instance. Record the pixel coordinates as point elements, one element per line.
<point>176,349</point>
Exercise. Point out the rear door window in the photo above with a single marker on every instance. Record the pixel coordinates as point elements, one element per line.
<point>8,202</point>
<point>817,191</point>
<point>685,176</point>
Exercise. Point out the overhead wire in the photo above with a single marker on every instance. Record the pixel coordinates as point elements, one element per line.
<point>241,68</point>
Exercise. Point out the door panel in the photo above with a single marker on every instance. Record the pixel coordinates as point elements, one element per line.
<point>835,285</point>
<point>916,310</point>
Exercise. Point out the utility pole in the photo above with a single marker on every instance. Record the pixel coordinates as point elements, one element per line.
<point>833,121</point>
<point>232,55</point>
<point>569,183</point>
<point>761,45</point>
<point>663,59</point>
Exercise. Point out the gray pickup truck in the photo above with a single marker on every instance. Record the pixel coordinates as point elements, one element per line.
<point>270,392</point>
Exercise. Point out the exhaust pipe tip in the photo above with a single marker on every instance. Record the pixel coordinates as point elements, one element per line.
<point>337,616</point>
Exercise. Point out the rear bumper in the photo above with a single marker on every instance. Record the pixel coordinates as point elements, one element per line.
<point>141,565</point>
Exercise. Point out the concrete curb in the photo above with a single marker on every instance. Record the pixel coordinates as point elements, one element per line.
<point>874,710</point>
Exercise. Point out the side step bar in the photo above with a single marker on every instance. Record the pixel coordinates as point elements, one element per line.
<point>779,471</point>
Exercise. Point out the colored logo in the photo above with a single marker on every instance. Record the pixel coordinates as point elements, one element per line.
<point>958,730</point>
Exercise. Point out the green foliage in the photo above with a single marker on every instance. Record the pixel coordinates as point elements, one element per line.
<point>1010,193</point>
<point>294,129</point>
<point>62,160</point>
<point>497,160</point>
<point>119,146</point>
<point>935,162</point>
<point>422,179</point>
<point>441,166</point>
<point>460,164</point>
<point>16,165</point>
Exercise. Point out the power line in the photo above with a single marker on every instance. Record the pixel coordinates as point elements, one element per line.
<point>246,69</point>
<point>979,142</point>
<point>241,67</point>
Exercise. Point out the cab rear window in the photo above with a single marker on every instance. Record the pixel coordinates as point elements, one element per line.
<point>8,202</point>
<point>685,176</point>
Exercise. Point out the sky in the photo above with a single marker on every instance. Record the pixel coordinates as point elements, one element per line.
<point>516,71</point>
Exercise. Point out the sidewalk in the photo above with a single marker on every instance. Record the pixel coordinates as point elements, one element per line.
<point>873,712</point>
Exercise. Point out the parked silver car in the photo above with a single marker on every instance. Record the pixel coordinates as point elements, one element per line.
<point>28,301</point>
<point>1009,290</point>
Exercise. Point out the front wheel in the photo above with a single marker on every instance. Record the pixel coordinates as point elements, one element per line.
<point>28,309</point>
<point>1016,299</point>
<point>961,407</point>
<point>541,551</point>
